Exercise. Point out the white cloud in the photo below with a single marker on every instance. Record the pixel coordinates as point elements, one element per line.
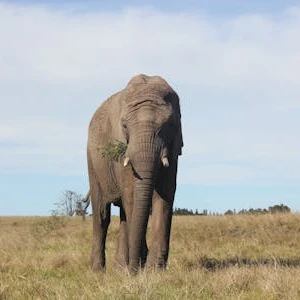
<point>42,147</point>
<point>238,79</point>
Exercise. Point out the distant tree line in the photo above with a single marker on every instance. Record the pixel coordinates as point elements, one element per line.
<point>271,210</point>
<point>255,211</point>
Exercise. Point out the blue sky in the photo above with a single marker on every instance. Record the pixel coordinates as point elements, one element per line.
<point>234,64</point>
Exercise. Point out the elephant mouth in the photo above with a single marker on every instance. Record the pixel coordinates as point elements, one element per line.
<point>127,161</point>
<point>146,173</point>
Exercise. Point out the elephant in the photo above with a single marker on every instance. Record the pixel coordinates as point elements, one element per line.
<point>146,117</point>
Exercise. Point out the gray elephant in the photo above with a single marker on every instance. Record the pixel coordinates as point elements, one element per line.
<point>146,117</point>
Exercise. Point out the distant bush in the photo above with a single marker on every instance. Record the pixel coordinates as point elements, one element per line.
<point>188,212</point>
<point>279,209</point>
<point>229,212</point>
<point>183,212</point>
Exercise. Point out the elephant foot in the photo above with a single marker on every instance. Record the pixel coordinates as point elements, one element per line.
<point>97,267</point>
<point>143,258</point>
<point>133,268</point>
<point>157,263</point>
<point>121,264</point>
<point>155,267</point>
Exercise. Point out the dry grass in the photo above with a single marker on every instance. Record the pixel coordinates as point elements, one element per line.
<point>224,257</point>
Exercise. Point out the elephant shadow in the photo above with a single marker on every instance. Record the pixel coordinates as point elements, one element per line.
<point>213,264</point>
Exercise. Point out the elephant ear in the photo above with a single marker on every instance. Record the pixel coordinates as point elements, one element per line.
<point>178,140</point>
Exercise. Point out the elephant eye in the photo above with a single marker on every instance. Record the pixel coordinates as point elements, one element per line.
<point>124,125</point>
<point>125,129</point>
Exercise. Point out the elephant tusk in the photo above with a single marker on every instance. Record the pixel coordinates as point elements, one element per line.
<point>126,161</point>
<point>165,162</point>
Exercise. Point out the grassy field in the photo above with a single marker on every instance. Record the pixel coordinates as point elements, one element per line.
<point>212,257</point>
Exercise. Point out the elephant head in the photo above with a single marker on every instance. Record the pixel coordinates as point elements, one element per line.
<point>151,125</point>
<point>151,110</point>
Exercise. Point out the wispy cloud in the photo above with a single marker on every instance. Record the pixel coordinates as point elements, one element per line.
<point>238,78</point>
<point>42,147</point>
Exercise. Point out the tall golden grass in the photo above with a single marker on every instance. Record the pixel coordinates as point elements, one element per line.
<point>211,257</point>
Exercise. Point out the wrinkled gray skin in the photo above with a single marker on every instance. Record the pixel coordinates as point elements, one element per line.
<point>146,115</point>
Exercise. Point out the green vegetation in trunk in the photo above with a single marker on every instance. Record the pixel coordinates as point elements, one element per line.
<point>113,151</point>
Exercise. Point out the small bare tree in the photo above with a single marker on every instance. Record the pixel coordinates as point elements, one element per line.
<point>70,203</point>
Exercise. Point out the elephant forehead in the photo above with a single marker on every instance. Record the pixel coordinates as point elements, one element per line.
<point>154,113</point>
<point>149,102</point>
<point>149,111</point>
<point>150,95</point>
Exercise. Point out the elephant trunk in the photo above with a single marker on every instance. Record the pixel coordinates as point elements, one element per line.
<point>142,195</point>
<point>145,164</point>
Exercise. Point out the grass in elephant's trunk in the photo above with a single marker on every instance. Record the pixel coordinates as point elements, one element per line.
<point>113,151</point>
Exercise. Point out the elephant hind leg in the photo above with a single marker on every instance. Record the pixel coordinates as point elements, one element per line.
<point>144,253</point>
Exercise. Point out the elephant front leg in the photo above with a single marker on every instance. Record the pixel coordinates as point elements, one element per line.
<point>161,224</point>
<point>101,222</point>
<point>122,256</point>
<point>122,253</point>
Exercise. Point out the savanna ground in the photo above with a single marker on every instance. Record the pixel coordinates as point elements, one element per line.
<point>211,257</point>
